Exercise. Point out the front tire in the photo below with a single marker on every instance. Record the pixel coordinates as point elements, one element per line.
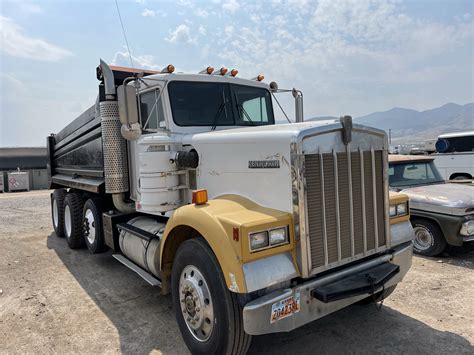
<point>73,230</point>
<point>208,314</point>
<point>429,239</point>
<point>93,234</point>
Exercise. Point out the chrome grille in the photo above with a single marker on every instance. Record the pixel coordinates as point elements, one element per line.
<point>345,206</point>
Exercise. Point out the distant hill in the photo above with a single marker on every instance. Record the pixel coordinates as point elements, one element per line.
<point>410,125</point>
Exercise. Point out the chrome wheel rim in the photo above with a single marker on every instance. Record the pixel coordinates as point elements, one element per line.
<point>67,221</point>
<point>423,238</point>
<point>55,214</point>
<point>196,303</point>
<point>89,226</point>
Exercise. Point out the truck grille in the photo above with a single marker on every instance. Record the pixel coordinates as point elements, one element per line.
<point>345,206</point>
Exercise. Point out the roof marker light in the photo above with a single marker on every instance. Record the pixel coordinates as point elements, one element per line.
<point>222,71</point>
<point>169,69</point>
<point>234,72</point>
<point>209,70</point>
<point>260,77</point>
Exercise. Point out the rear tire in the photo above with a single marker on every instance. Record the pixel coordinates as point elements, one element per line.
<point>429,239</point>
<point>208,314</point>
<point>73,226</point>
<point>93,233</point>
<point>57,211</point>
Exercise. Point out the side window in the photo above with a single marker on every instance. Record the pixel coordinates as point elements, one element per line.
<point>151,110</point>
<point>256,109</point>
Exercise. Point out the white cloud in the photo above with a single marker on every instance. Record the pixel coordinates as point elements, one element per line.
<point>153,13</point>
<point>148,13</point>
<point>182,34</point>
<point>142,61</point>
<point>231,6</point>
<point>201,13</point>
<point>202,30</point>
<point>337,50</point>
<point>17,44</point>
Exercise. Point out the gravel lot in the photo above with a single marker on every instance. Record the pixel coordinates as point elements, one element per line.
<point>53,299</point>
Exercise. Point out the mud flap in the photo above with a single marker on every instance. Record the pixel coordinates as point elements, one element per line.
<point>365,282</point>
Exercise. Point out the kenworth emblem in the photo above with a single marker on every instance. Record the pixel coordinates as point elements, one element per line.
<point>264,164</point>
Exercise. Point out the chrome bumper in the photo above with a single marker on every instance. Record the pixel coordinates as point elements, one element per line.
<point>256,314</point>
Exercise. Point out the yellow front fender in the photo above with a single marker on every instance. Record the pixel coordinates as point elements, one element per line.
<point>215,222</point>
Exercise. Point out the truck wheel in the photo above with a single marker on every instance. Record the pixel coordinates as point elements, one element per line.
<point>208,314</point>
<point>57,208</point>
<point>93,234</point>
<point>73,230</point>
<point>379,296</point>
<point>429,239</point>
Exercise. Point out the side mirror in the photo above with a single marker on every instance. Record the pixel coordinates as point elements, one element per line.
<point>128,112</point>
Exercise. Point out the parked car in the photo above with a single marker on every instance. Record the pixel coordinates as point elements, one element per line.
<point>454,155</point>
<point>441,213</point>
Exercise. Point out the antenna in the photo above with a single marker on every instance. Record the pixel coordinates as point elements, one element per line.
<point>124,34</point>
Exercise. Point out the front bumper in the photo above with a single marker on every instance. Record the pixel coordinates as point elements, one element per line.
<point>256,313</point>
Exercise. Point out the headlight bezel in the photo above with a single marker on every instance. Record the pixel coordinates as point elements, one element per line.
<point>401,209</point>
<point>268,244</point>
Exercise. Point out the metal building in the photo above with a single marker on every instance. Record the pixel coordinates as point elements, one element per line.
<point>30,162</point>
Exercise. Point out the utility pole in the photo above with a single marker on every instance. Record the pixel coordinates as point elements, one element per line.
<point>389,136</point>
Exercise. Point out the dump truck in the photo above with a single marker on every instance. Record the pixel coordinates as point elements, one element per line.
<point>253,227</point>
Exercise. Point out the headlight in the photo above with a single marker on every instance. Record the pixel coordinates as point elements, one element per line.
<point>393,210</point>
<point>278,236</point>
<point>400,209</point>
<point>258,240</point>
<point>467,228</point>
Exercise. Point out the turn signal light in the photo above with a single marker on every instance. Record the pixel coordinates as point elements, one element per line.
<point>234,72</point>
<point>169,69</point>
<point>199,197</point>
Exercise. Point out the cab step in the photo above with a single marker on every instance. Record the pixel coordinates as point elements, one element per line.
<point>152,280</point>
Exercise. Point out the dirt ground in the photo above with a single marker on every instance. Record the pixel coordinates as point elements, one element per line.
<point>53,299</point>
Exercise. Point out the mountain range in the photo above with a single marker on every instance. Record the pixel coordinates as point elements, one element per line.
<point>410,125</point>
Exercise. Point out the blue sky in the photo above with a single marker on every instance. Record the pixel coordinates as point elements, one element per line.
<point>348,57</point>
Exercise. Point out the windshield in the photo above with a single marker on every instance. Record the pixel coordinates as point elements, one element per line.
<point>413,173</point>
<point>219,104</point>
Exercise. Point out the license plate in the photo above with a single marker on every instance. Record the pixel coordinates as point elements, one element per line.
<point>285,308</point>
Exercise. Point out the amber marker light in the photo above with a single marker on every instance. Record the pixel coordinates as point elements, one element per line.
<point>235,233</point>
<point>222,71</point>
<point>199,197</point>
<point>209,70</point>
<point>169,69</point>
<point>260,77</point>
<point>234,72</point>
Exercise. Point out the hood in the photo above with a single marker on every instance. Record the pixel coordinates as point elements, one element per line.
<point>443,198</point>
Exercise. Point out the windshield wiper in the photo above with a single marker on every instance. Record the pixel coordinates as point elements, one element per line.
<point>241,108</point>
<point>218,113</point>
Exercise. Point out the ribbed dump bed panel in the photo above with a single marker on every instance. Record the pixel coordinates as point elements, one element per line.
<point>345,201</point>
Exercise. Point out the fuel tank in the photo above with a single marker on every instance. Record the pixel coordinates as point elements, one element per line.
<point>144,253</point>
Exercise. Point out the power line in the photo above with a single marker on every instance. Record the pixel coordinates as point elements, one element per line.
<point>124,34</point>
